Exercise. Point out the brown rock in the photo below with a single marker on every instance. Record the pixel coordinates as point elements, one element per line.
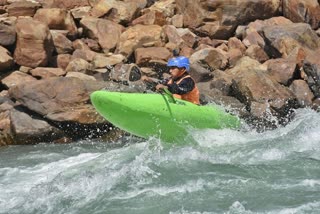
<point>86,54</point>
<point>186,51</point>
<point>92,44</point>
<point>303,93</point>
<point>57,19</point>
<point>101,8</point>
<point>81,76</point>
<point>36,33</point>
<point>252,37</point>
<point>223,47</point>
<point>6,61</point>
<point>312,72</point>
<point>302,11</point>
<point>281,70</point>
<point>298,55</point>
<point>221,81</point>
<point>63,60</point>
<point>251,84</point>
<point>173,36</point>
<point>258,25</point>
<point>257,53</point>
<point>219,19</point>
<point>212,95</point>
<point>102,61</point>
<point>177,20</point>
<point>65,4</point>
<point>5,123</point>
<point>117,11</point>
<point>107,33</point>
<point>62,44</point>
<point>80,44</point>
<point>85,114</point>
<point>28,130</point>
<point>187,36</point>
<point>199,73</point>
<point>60,98</point>
<point>316,104</point>
<point>79,65</point>
<point>235,43</point>
<point>80,12</point>
<point>25,69</point>
<point>7,32</point>
<point>285,38</point>
<point>234,54</point>
<point>151,18</point>
<point>213,57</point>
<point>44,73</point>
<point>260,110</point>
<point>3,2</point>
<point>16,78</point>
<point>166,7</point>
<point>140,36</point>
<point>23,8</point>
<point>144,55</point>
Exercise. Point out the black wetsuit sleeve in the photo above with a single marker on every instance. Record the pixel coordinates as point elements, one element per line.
<point>185,86</point>
<point>164,81</point>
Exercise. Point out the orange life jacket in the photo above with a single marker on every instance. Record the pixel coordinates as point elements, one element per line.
<point>192,96</point>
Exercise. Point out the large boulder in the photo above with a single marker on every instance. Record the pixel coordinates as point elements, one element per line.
<point>60,99</point>
<point>285,38</point>
<point>151,18</point>
<point>140,36</point>
<point>33,32</point>
<point>281,70</point>
<point>23,8</point>
<point>29,130</point>
<point>144,55</point>
<point>57,19</point>
<point>61,43</point>
<point>251,84</point>
<point>253,32</point>
<point>219,19</point>
<point>303,93</point>
<point>15,78</point>
<point>105,32</point>
<point>213,57</point>
<point>165,7</point>
<point>118,11</point>
<point>302,11</point>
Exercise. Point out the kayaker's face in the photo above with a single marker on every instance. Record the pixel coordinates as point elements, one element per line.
<point>176,72</point>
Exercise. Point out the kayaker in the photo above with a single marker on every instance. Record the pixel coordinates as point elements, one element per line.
<point>180,84</point>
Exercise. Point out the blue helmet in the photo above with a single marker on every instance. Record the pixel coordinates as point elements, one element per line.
<point>179,62</point>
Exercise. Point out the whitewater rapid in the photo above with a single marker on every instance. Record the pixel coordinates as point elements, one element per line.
<point>227,171</point>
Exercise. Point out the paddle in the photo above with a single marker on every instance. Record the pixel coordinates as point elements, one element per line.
<point>168,94</point>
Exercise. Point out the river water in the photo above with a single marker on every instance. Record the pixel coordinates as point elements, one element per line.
<point>227,171</point>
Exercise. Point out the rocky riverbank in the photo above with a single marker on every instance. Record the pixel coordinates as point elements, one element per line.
<point>259,59</point>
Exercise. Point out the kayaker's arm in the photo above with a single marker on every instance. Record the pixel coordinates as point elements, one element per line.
<point>185,86</point>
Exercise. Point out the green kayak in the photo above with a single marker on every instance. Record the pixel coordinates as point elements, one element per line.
<point>159,115</point>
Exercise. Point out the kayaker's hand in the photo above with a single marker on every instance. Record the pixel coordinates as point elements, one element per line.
<point>160,87</point>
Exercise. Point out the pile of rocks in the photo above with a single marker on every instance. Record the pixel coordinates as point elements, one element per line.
<point>257,58</point>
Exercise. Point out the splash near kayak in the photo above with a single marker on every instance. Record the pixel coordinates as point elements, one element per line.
<point>159,115</point>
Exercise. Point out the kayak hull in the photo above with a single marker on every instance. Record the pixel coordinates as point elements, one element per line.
<point>147,115</point>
